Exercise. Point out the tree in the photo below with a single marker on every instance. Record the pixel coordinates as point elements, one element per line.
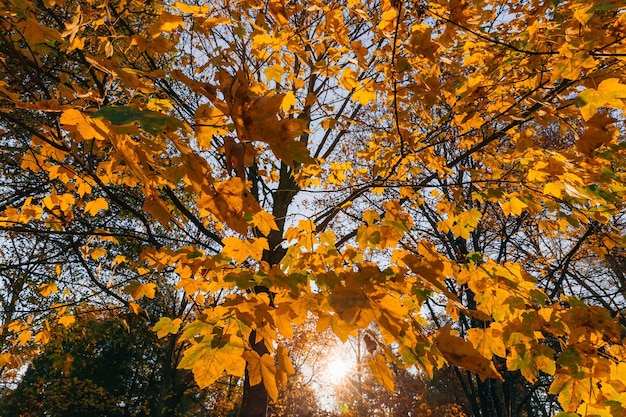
<point>363,162</point>
<point>111,366</point>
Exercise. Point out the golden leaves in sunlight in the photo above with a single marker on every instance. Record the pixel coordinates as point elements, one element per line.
<point>610,92</point>
<point>347,160</point>
<point>239,250</point>
<point>85,126</point>
<point>462,353</point>
<point>94,206</point>
<point>262,369</point>
<point>138,290</point>
<point>166,326</point>
<point>210,358</point>
<point>382,373</point>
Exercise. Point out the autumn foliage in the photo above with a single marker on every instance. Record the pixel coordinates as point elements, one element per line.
<point>449,174</point>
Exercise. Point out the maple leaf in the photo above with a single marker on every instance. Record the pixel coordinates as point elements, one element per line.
<point>239,250</point>
<point>253,361</point>
<point>85,126</point>
<point>94,206</point>
<point>47,289</point>
<point>571,390</point>
<point>209,122</point>
<point>462,353</point>
<point>597,133</point>
<point>610,92</point>
<point>488,341</point>
<point>208,360</point>
<point>513,206</point>
<point>25,336</point>
<point>67,321</point>
<point>230,203</point>
<point>264,222</point>
<point>166,326</point>
<point>137,290</point>
<point>381,372</point>
<point>151,121</point>
<point>268,370</point>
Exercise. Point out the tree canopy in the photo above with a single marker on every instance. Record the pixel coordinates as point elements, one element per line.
<point>447,177</point>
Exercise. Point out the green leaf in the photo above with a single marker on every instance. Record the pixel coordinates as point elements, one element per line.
<point>151,121</point>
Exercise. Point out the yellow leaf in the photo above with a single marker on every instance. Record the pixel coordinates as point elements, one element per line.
<point>461,353</point>
<point>284,363</point>
<point>274,73</point>
<point>24,337</point>
<point>208,362</point>
<point>239,250</point>
<point>67,321</point>
<point>209,122</point>
<point>583,12</point>
<point>47,289</point>
<point>42,337</point>
<point>268,370</point>
<point>94,206</point>
<point>85,126</point>
<point>288,101</point>
<point>134,307</point>
<point>5,358</point>
<point>264,222</point>
<point>198,11</point>
<point>349,79</point>
<point>138,290</point>
<point>387,20</point>
<point>610,92</point>
<point>77,43</point>
<point>513,206</point>
<point>253,361</point>
<point>599,130</point>
<point>364,96</point>
<point>231,201</point>
<point>571,390</point>
<point>98,253</point>
<point>166,23</point>
<point>554,188</point>
<point>488,341</point>
<point>158,209</point>
<point>381,371</point>
<point>166,326</point>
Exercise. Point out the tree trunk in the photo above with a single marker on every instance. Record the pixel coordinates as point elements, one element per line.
<point>254,402</point>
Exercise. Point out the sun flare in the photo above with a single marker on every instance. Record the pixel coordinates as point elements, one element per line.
<point>337,369</point>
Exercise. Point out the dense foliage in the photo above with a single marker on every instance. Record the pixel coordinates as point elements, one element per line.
<point>448,176</point>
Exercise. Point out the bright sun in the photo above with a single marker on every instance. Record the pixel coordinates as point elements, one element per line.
<point>337,369</point>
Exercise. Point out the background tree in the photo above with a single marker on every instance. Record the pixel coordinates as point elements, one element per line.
<point>113,366</point>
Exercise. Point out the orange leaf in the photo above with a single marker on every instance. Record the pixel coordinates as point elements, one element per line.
<point>93,207</point>
<point>264,222</point>
<point>85,126</point>
<point>381,371</point>
<point>268,370</point>
<point>461,353</point>
<point>138,290</point>
<point>239,250</point>
<point>47,289</point>
<point>610,92</point>
<point>67,321</point>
